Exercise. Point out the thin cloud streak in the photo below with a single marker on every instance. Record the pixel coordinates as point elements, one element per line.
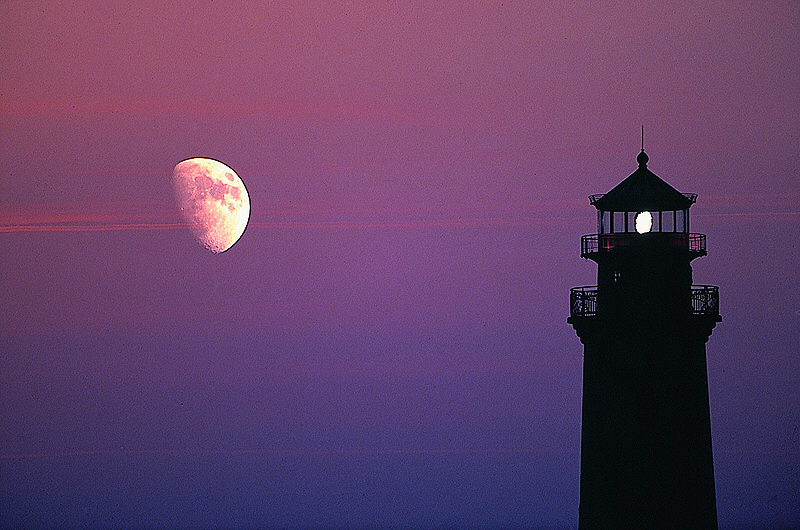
<point>116,227</point>
<point>27,107</point>
<point>750,214</point>
<point>158,216</point>
<point>484,222</point>
<point>453,222</point>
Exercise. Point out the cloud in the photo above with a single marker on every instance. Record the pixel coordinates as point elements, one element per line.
<point>147,216</point>
<point>89,217</point>
<point>153,216</point>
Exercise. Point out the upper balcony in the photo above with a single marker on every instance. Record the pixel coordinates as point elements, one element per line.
<point>593,245</point>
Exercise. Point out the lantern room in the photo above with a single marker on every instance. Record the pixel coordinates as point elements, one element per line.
<point>642,210</point>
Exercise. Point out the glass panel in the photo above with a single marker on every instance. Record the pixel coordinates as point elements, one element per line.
<point>680,225</point>
<point>606,223</point>
<point>631,221</point>
<point>667,220</point>
<point>656,221</point>
<point>619,221</point>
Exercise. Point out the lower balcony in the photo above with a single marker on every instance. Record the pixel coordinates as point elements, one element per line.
<point>583,300</point>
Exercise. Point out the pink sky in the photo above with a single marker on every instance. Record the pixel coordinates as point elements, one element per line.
<point>373,105</point>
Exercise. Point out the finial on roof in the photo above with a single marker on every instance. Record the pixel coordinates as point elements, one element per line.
<point>642,158</point>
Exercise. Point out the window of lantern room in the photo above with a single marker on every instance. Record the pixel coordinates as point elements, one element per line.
<point>681,219</point>
<point>618,222</point>
<point>605,222</point>
<point>667,223</point>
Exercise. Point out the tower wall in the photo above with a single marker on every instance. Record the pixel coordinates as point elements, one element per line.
<point>644,285</point>
<point>646,436</point>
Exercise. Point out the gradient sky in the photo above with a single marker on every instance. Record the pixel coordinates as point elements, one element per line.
<point>387,343</point>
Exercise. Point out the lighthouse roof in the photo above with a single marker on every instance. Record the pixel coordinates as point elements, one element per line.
<point>642,190</point>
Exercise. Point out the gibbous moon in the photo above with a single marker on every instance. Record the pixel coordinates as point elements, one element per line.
<point>213,200</point>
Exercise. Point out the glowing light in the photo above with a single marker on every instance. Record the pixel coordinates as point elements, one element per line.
<point>644,222</point>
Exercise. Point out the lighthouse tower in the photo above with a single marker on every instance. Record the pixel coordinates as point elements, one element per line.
<point>646,456</point>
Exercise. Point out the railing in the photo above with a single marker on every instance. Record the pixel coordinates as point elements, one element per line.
<point>583,300</point>
<point>597,196</point>
<point>697,243</point>
<point>705,300</point>
<point>594,243</point>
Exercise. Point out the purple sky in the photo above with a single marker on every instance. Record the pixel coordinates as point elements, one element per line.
<point>387,342</point>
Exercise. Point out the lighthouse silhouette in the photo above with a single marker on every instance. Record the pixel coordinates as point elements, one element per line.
<point>646,456</point>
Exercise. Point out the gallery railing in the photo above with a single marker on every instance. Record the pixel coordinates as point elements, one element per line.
<point>596,243</point>
<point>583,301</point>
<point>597,196</point>
<point>704,300</point>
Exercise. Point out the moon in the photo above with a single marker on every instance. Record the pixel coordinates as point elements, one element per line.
<point>213,200</point>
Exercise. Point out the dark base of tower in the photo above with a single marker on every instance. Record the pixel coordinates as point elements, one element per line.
<point>646,458</point>
<point>650,517</point>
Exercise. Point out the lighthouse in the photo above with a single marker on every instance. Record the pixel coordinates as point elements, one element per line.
<point>646,457</point>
